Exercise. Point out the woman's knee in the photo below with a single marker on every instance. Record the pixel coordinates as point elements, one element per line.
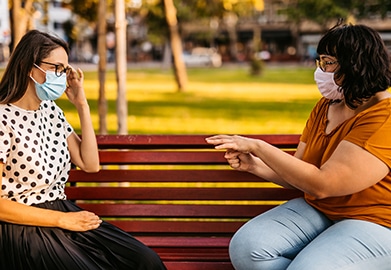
<point>348,244</point>
<point>246,254</point>
<point>252,246</point>
<point>275,237</point>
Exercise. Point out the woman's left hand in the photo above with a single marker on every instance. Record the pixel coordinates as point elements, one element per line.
<point>75,89</point>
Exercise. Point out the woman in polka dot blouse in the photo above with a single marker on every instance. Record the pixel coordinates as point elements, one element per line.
<point>39,228</point>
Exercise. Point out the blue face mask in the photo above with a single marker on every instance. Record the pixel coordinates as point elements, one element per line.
<point>53,87</point>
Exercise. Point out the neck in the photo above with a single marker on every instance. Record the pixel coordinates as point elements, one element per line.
<point>30,100</point>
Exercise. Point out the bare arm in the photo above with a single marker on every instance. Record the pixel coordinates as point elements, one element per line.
<point>349,170</point>
<point>252,164</point>
<point>18,213</point>
<point>84,152</point>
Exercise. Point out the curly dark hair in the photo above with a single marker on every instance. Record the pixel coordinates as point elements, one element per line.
<point>31,49</point>
<point>364,62</point>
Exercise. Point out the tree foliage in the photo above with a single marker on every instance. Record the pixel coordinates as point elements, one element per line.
<point>194,11</point>
<point>371,8</point>
<point>153,13</point>
<point>320,12</point>
<point>87,9</point>
<point>323,12</point>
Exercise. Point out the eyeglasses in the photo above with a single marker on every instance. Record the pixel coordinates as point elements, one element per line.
<point>59,68</point>
<point>323,64</point>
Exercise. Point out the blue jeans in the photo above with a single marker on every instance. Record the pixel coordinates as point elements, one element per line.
<point>295,236</point>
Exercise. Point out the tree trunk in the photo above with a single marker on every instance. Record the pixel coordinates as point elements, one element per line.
<point>102,52</point>
<point>257,43</point>
<point>231,20</point>
<point>20,19</point>
<point>167,55</point>
<point>176,45</point>
<point>120,64</point>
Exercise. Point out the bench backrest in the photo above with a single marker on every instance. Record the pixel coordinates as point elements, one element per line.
<point>164,187</point>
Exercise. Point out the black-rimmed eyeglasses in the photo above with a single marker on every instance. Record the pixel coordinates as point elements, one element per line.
<point>59,68</point>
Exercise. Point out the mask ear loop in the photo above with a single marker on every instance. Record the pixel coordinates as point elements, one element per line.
<point>31,76</point>
<point>38,67</point>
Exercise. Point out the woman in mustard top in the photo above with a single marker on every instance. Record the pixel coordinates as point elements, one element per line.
<point>342,164</point>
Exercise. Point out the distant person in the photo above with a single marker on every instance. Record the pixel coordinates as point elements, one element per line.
<point>39,228</point>
<point>342,164</point>
<point>110,44</point>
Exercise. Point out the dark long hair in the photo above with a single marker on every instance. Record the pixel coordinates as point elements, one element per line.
<point>364,62</point>
<point>32,48</point>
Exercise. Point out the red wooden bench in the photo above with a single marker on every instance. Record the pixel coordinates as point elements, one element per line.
<point>176,194</point>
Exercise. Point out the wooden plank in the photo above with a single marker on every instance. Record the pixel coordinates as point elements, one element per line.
<point>204,253</point>
<point>203,175</point>
<point>178,227</point>
<point>184,242</point>
<point>189,249</point>
<point>172,265</point>
<point>162,157</point>
<point>169,193</point>
<point>198,255</point>
<point>183,141</point>
<point>176,211</point>
<point>152,141</point>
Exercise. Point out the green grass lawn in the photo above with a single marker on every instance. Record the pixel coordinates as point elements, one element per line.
<point>224,100</point>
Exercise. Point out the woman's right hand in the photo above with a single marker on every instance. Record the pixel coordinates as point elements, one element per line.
<point>79,221</point>
<point>233,142</point>
<point>240,161</point>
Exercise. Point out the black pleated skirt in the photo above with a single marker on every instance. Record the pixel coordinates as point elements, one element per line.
<point>39,248</point>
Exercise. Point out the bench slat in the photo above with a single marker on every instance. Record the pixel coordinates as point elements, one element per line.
<point>150,193</point>
<point>182,249</point>
<point>204,255</point>
<point>184,242</point>
<point>178,227</point>
<point>162,157</point>
<point>194,254</point>
<point>164,176</point>
<point>199,265</point>
<point>176,211</point>
<point>182,141</point>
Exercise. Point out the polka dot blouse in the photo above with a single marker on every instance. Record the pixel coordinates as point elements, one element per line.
<point>34,150</point>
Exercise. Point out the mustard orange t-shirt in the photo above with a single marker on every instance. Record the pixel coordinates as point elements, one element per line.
<point>371,130</point>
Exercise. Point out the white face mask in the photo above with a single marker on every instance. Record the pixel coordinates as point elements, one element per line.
<point>326,85</point>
